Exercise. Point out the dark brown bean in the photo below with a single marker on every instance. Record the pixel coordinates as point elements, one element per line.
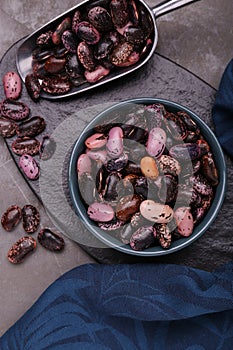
<point>54,65</point>
<point>31,127</point>
<point>33,85</point>
<point>127,206</point>
<point>14,110</point>
<point>21,249</point>
<point>51,240</point>
<point>57,35</point>
<point>143,238</point>
<point>11,217</point>
<point>25,145</point>
<point>31,218</point>
<point>45,39</point>
<point>56,85</point>
<point>7,127</point>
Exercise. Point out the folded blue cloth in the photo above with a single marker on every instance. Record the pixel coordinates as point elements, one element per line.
<point>130,307</point>
<point>222,112</point>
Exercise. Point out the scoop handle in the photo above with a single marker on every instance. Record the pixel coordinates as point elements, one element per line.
<point>169,5</point>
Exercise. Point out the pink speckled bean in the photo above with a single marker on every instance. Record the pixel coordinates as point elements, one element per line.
<point>83,164</point>
<point>100,212</point>
<point>12,85</point>
<point>96,141</point>
<point>156,142</point>
<point>156,212</point>
<point>29,166</point>
<point>114,144</point>
<point>184,221</point>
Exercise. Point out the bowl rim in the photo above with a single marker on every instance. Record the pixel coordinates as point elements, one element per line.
<point>213,211</point>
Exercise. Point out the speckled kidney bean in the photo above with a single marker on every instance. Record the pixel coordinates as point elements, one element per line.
<point>114,144</point>
<point>31,218</point>
<point>56,85</point>
<point>25,145</point>
<point>12,85</point>
<point>70,41</point>
<point>31,127</point>
<point>54,65</point>
<point>87,32</point>
<point>11,217</point>
<point>7,127</point>
<point>106,34</point>
<point>57,34</point>
<point>29,166</point>
<point>184,221</point>
<point>45,39</point>
<point>163,235</point>
<point>169,165</point>
<point>198,214</point>
<point>51,240</point>
<point>119,12</point>
<point>100,18</point>
<point>143,238</point>
<point>86,56</point>
<point>14,110</point>
<point>201,185</point>
<point>76,19</point>
<point>156,142</point>
<point>121,54</point>
<point>100,212</point>
<point>112,225</point>
<point>21,249</point>
<point>33,86</point>
<point>156,212</point>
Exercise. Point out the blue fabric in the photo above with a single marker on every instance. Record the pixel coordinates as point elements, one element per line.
<point>130,307</point>
<point>222,112</point>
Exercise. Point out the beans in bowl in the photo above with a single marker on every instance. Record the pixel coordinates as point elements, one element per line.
<point>148,176</point>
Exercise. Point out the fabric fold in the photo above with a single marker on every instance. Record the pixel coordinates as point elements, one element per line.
<point>140,306</point>
<point>222,112</point>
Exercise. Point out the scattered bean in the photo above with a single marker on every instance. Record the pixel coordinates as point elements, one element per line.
<point>20,250</point>
<point>51,240</point>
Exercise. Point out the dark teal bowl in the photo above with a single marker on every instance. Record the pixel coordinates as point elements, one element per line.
<point>107,238</point>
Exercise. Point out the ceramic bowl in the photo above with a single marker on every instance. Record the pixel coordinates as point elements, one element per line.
<point>109,239</point>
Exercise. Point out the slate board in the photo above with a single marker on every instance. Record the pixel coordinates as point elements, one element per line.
<point>66,118</point>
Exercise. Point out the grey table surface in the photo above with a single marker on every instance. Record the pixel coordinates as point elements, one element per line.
<point>198,37</point>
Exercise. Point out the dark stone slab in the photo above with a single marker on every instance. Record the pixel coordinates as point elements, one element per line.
<point>66,118</point>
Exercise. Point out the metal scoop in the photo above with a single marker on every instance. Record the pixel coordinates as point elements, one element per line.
<point>24,52</point>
